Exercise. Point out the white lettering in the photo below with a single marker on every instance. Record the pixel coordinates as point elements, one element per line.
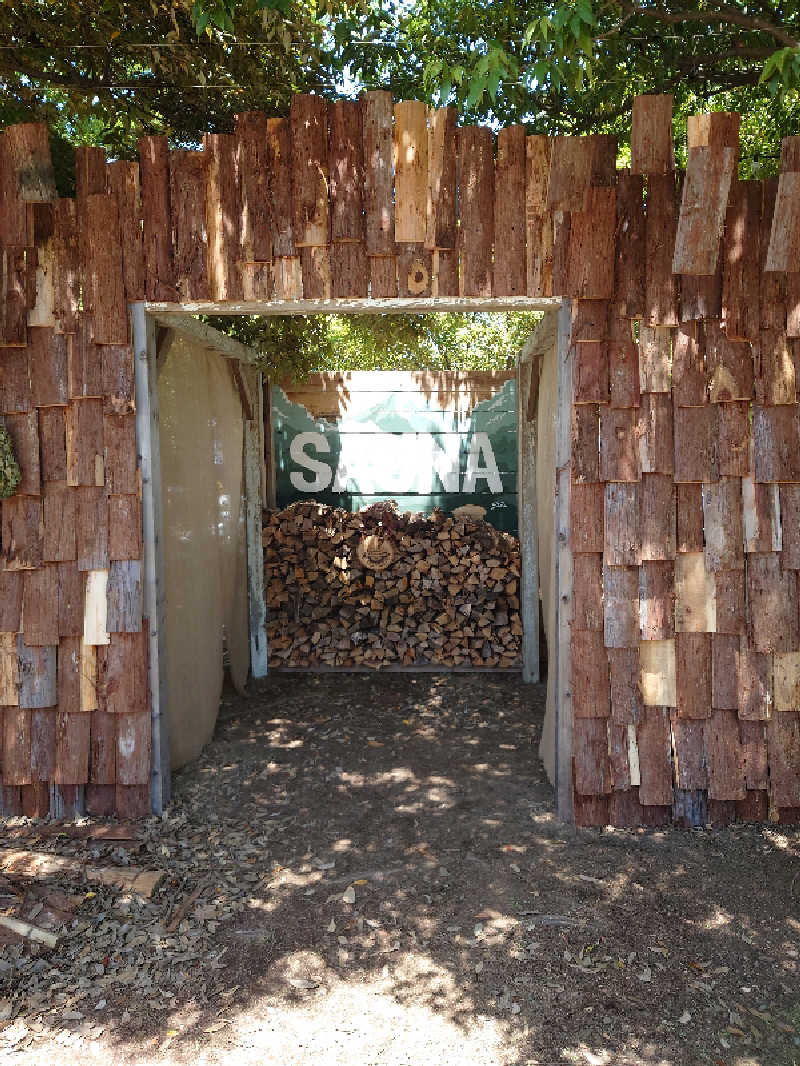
<point>321,470</point>
<point>444,460</point>
<point>480,445</point>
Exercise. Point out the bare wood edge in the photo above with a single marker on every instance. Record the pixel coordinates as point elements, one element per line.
<point>143,331</point>
<point>399,306</point>
<point>528,531</point>
<point>257,610</point>
<point>200,333</point>
<point>563,575</point>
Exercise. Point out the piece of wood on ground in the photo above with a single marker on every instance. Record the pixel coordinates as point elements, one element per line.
<point>35,865</point>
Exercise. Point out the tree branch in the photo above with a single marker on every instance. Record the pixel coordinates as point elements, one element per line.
<point>724,15</point>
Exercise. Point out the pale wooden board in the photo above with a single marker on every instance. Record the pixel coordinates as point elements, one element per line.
<point>695,596</point>
<point>722,525</point>
<point>657,662</point>
<point>620,606</point>
<point>787,681</point>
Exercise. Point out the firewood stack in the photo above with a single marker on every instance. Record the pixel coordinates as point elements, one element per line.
<point>448,597</point>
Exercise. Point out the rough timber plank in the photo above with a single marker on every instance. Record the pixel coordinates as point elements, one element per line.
<point>570,173</point>
<point>316,267</point>
<point>103,748</point>
<point>346,165</point>
<point>37,673</point>
<point>591,372</point>
<point>651,136</point>
<point>693,674</point>
<point>84,442</point>
<point>588,583</point>
<point>622,524</point>
<point>705,200</point>
<point>776,443</point>
<point>69,674</point>
<point>476,208</point>
<point>772,601</point>
<point>585,448</point>
<point>762,516</point>
<point>378,202</point>
<point>626,694</point>
<point>538,219</point>
<point>729,591</point>
<point>92,528</point>
<point>122,674</point>
<point>47,352</point>
<point>349,270</point>
<point>783,745</point>
<point>104,270</point>
<point>586,511</point>
<point>619,455</point>
<point>280,183</point>
<point>786,676</point>
<point>40,606</point>
<point>22,536</point>
<point>722,524</point>
<point>661,296</point>
<point>411,171</point>
<point>383,276</point>
<point>124,597</point>
<point>123,185</point>
<point>223,215</point>
<point>308,118</point>
<point>441,201</point>
<point>591,247</point>
<point>17,272</point>
<point>66,277</point>
<point>784,239</point>
<point>772,286</point>
<point>790,526</point>
<point>72,748</point>
<point>754,682</point>
<point>658,517</point>
<point>70,599</point>
<point>657,600</point>
<point>696,452</point>
<point>154,172</point>
<point>695,595</point>
<point>28,148</point>
<point>689,380</point>
<point>116,361</point>
<point>187,173</point>
<point>655,433</point>
<point>740,274</point>
<point>724,757</point>
<point>256,218</point>
<point>688,740</point>
<point>16,745</point>
<point>590,689</point>
<point>84,362</point>
<point>592,766</point>
<point>630,245</point>
<point>734,439</point>
<point>510,276</point>
<point>119,447</point>
<point>133,749</point>
<point>655,359</point>
<point>52,440</point>
<point>10,601</point>
<point>724,692</point>
<point>774,369</point>
<point>655,757</point>
<point>621,606</point>
<point>623,361</point>
<point>9,669</point>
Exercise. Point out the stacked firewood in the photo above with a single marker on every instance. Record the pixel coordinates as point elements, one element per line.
<point>379,588</point>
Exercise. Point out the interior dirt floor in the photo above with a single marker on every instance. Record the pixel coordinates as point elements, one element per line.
<point>371,874</point>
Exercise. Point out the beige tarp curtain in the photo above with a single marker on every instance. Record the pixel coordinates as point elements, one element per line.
<point>202,490</point>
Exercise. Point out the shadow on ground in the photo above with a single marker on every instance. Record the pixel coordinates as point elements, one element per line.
<point>380,879</point>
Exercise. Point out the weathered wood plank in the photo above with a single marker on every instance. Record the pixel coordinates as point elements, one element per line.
<point>122,674</point>
<point>655,757</point>
<point>70,599</point>
<point>47,351</point>
<point>104,270</point>
<point>346,165</point>
<point>729,593</point>
<point>591,247</point>
<point>585,450</point>
<point>441,215</point>
<point>695,596</point>
<point>592,766</point>
<point>538,218</point>
<point>734,439</point>
<point>586,517</point>
<point>92,528</point>
<point>657,678</point>
<point>783,746</point>
<point>631,245</point>
<point>476,209</point>
<point>158,261</point>
<point>620,606</point>
<point>693,674</point>
<point>696,452</point>
<point>790,526</point>
<point>754,682</point>
<point>689,378</point>
<point>661,294</point>
<point>724,692</point>
<point>740,274</point>
<point>688,739</point>
<point>124,597</point>
<point>571,160</point>
<point>24,432</point>
<point>588,581</point>
<point>651,137</point>
<point>410,171</point>
<point>722,525</point>
<point>22,535</point>
<point>724,757</point>
<point>37,673</point>
<point>510,273</point>
<point>622,524</point>
<point>223,214</point>
<point>658,517</point>
<point>188,178</point>
<point>72,748</point>
<point>84,442</point>
<point>40,606</point>
<point>772,601</point>
<point>776,443</point>
<point>709,172</point>
<point>655,433</point>
<point>657,600</point>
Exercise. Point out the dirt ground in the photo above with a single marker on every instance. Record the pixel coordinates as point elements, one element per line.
<point>380,881</point>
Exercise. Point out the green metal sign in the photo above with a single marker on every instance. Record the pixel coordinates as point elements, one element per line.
<point>401,446</point>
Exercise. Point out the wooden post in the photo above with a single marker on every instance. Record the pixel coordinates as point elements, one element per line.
<point>561,660</point>
<point>257,611</point>
<point>270,488</point>
<point>149,461</point>
<point>527,382</point>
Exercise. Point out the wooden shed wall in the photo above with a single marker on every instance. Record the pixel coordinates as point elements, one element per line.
<point>684,463</point>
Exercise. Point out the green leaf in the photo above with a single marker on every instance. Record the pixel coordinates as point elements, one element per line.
<point>493,84</point>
